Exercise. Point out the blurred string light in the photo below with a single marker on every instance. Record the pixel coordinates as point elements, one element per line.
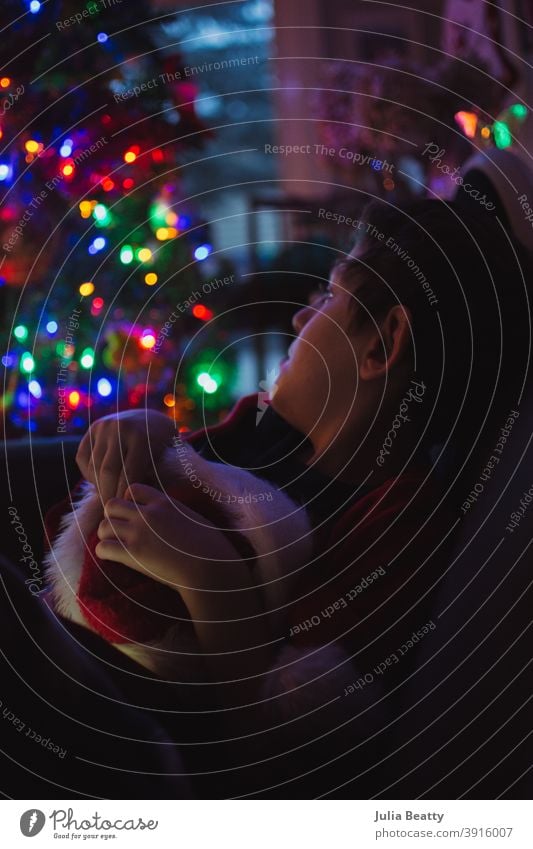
<point>158,212</point>
<point>202,252</point>
<point>27,363</point>
<point>502,135</point>
<point>100,212</point>
<point>86,208</point>
<point>102,37</point>
<point>66,148</point>
<point>144,254</point>
<point>21,332</point>
<point>502,131</point>
<point>102,215</point>
<point>509,125</point>
<point>6,171</point>
<point>150,279</point>
<point>52,327</point>
<point>68,168</point>
<point>209,376</point>
<point>96,245</point>
<point>208,383</point>
<point>202,312</point>
<point>131,154</point>
<point>147,339</point>
<point>96,306</point>
<point>104,387</point>
<point>74,399</point>
<point>87,358</point>
<point>35,388</point>
<point>468,122</point>
<point>126,254</point>
<point>35,6</point>
<point>33,146</point>
<point>64,350</point>
<point>86,289</point>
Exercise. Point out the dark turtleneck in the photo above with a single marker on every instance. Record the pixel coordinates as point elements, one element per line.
<point>276,451</point>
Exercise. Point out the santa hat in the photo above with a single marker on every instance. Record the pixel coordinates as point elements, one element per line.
<point>147,620</point>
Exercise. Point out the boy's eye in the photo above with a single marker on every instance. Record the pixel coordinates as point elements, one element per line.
<point>322,297</point>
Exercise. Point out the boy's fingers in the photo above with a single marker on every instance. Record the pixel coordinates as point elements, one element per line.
<point>135,464</point>
<point>120,508</point>
<point>113,549</point>
<point>90,455</point>
<point>122,485</point>
<point>82,455</point>
<point>108,473</point>
<point>113,529</point>
<point>141,493</point>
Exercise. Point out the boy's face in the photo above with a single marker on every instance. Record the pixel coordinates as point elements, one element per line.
<point>318,388</point>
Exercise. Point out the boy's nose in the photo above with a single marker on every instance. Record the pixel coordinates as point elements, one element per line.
<point>300,318</point>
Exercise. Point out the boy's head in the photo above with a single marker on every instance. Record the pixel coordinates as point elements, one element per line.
<point>428,293</point>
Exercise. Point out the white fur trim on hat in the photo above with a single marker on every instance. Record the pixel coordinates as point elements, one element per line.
<point>63,562</point>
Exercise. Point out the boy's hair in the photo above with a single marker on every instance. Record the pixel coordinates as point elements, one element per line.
<point>466,285</point>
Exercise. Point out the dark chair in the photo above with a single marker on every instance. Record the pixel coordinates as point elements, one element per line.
<point>66,729</point>
<point>468,711</point>
<point>37,473</point>
<point>69,728</point>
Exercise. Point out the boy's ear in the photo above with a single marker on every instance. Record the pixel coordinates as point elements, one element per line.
<point>387,344</point>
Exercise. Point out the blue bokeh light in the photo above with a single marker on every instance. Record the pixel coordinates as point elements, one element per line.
<point>104,387</point>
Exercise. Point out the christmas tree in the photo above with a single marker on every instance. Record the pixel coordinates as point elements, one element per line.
<point>100,253</point>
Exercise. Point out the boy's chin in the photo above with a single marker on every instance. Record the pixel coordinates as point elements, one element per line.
<point>278,403</point>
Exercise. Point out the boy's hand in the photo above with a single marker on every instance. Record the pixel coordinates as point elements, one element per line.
<point>169,542</point>
<point>160,537</point>
<point>121,448</point>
